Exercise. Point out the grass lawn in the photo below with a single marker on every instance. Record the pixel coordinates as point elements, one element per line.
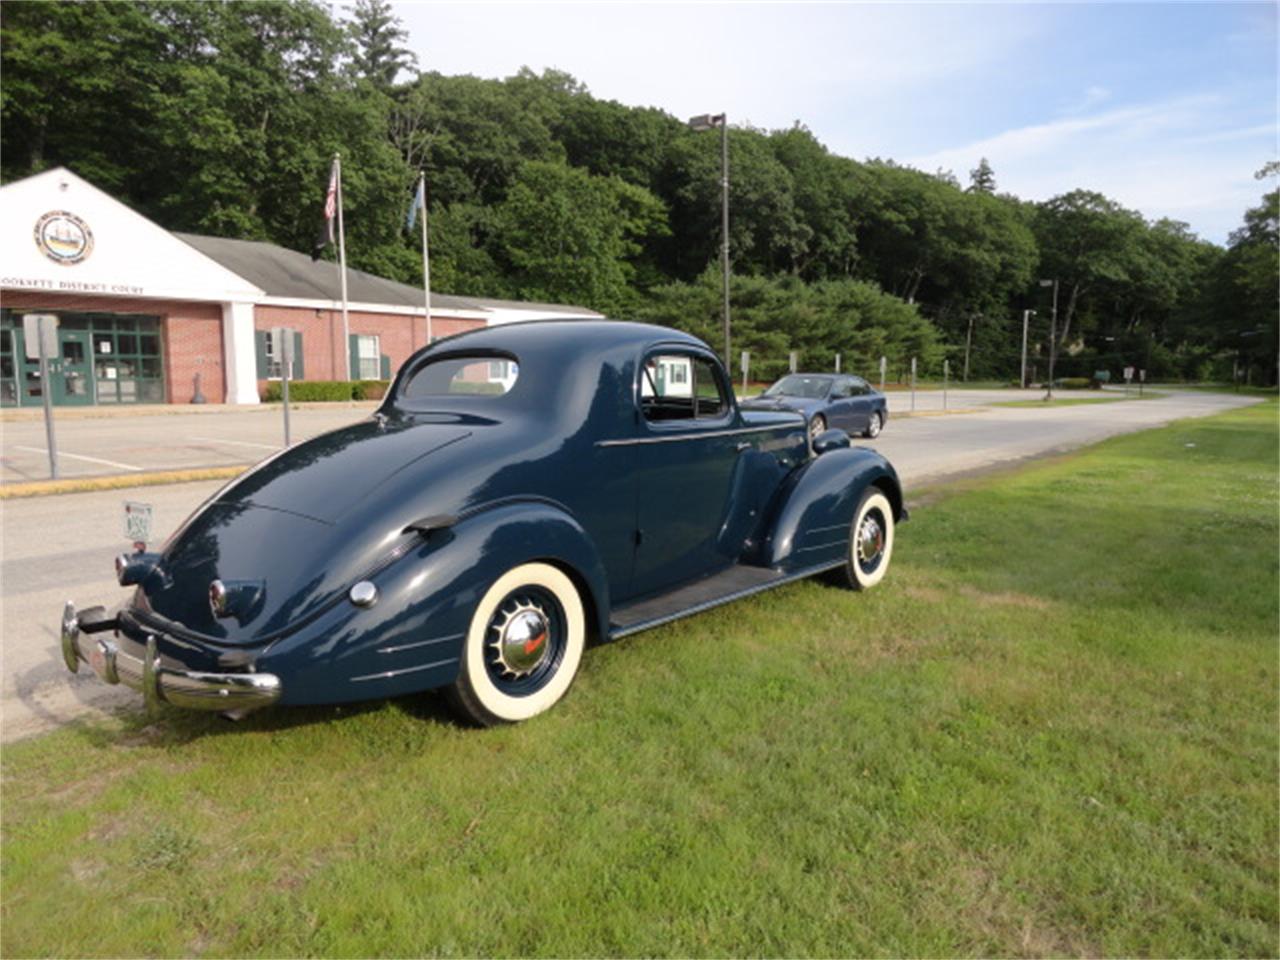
<point>1070,401</point>
<point>1052,730</point>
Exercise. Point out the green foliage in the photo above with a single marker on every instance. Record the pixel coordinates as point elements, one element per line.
<point>1073,383</point>
<point>304,391</point>
<point>772,317</point>
<point>224,118</point>
<point>378,35</point>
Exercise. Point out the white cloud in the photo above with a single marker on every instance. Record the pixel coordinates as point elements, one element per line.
<point>1179,158</point>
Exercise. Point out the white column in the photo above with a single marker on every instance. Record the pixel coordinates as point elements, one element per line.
<point>239,358</point>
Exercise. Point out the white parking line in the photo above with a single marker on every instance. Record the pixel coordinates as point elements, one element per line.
<point>77,456</point>
<point>240,443</point>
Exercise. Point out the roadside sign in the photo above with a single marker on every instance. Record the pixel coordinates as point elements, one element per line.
<point>743,361</point>
<point>137,523</point>
<point>1128,373</point>
<point>1142,375</point>
<point>37,327</point>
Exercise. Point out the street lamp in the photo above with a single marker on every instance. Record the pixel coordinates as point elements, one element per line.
<point>705,122</point>
<point>1022,378</point>
<point>1053,333</point>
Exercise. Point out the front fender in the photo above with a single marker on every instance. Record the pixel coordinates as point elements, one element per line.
<point>810,516</point>
<point>411,639</point>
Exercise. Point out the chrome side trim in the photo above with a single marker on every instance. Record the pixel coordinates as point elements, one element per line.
<point>676,438</point>
<point>388,674</point>
<point>420,643</point>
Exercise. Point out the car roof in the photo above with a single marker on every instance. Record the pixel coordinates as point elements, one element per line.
<point>584,335</point>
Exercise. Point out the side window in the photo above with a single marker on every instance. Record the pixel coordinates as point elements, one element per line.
<point>681,387</point>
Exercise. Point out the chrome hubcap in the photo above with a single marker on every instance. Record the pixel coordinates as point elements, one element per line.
<point>875,424</point>
<point>870,540</point>
<point>520,638</point>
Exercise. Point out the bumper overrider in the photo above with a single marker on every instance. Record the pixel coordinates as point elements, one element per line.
<point>118,659</point>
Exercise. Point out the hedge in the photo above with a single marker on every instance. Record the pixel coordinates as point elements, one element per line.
<point>310,391</point>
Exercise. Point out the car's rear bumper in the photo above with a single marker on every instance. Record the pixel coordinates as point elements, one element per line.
<point>121,659</point>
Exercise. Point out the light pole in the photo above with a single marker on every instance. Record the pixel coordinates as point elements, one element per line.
<point>709,121</point>
<point>1053,333</point>
<point>1022,377</point>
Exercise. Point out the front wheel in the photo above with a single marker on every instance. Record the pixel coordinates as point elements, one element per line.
<point>875,424</point>
<point>523,647</point>
<point>817,426</point>
<point>870,541</point>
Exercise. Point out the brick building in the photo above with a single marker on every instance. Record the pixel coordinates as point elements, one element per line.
<point>149,316</point>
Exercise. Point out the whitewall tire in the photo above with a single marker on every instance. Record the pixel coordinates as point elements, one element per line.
<point>523,647</point>
<point>870,541</point>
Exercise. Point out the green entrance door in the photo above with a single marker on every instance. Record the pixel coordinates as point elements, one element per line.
<point>71,375</point>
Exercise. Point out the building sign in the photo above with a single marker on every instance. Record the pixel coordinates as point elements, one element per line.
<point>63,237</point>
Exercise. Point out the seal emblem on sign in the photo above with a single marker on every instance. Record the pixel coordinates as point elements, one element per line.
<point>63,237</point>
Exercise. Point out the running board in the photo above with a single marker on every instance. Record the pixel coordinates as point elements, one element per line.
<point>733,584</point>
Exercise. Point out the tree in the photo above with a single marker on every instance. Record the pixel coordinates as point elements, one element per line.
<point>378,34</point>
<point>1086,240</point>
<point>569,237</point>
<point>982,179</point>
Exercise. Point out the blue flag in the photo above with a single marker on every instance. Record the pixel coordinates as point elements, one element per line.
<point>419,200</point>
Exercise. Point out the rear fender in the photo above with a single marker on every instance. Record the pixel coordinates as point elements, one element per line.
<point>812,511</point>
<point>411,638</point>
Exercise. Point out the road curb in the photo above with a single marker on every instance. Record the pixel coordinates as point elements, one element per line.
<point>908,414</point>
<point>35,414</point>
<point>48,488</point>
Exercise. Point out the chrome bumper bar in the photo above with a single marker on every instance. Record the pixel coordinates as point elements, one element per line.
<point>234,693</point>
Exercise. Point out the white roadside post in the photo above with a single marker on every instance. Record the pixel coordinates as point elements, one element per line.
<point>1142,378</point>
<point>283,338</point>
<point>884,365</point>
<point>40,332</point>
<point>946,375</point>
<point>794,360</point>
<point>1128,379</point>
<point>837,363</point>
<point>746,366</point>
<point>913,384</point>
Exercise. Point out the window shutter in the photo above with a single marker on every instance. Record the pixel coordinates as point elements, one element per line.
<point>260,347</point>
<point>384,368</point>
<point>353,355</point>
<point>299,373</point>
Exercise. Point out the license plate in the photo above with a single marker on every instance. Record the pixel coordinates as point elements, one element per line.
<point>137,521</point>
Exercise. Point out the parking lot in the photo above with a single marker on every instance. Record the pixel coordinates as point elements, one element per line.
<point>95,442</point>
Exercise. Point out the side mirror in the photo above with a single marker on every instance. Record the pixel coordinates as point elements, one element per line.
<point>832,439</point>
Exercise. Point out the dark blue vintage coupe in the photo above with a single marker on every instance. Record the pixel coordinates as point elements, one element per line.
<point>521,490</point>
<point>827,400</point>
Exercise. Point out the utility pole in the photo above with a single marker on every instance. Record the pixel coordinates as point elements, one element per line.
<point>1053,334</point>
<point>968,342</point>
<point>709,122</point>
<point>1022,374</point>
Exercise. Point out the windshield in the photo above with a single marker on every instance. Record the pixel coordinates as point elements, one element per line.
<point>800,385</point>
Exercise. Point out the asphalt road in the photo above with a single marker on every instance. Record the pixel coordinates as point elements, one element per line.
<point>59,548</point>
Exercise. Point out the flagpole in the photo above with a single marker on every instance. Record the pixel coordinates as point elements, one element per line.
<point>342,261</point>
<point>426,257</point>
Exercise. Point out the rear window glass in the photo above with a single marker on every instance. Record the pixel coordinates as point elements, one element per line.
<point>452,376</point>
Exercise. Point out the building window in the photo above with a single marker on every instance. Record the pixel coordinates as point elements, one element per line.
<point>103,358</point>
<point>368,359</point>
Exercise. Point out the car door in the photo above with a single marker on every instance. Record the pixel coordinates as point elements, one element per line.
<point>861,404</point>
<point>689,445</point>
<point>841,410</point>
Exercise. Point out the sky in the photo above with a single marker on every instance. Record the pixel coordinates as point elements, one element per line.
<point>1168,108</point>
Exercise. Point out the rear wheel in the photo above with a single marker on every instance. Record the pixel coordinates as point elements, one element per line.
<point>817,426</point>
<point>523,648</point>
<point>870,541</point>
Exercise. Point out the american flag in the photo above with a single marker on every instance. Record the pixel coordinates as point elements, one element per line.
<point>325,237</point>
